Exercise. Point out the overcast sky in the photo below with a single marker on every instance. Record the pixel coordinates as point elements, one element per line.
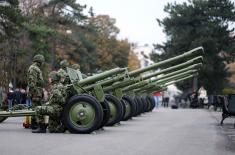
<point>136,19</point>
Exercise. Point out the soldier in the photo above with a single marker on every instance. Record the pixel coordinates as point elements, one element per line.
<point>54,107</point>
<point>35,84</point>
<point>80,75</point>
<point>62,71</point>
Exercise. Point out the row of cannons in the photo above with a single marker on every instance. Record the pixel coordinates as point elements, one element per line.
<point>117,95</point>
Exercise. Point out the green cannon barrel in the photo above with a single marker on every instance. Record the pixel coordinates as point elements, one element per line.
<point>161,87</point>
<point>135,86</point>
<point>196,62</point>
<point>17,113</point>
<point>144,83</point>
<point>155,89</point>
<point>132,83</point>
<point>119,85</point>
<point>101,76</point>
<point>194,52</point>
<point>184,71</point>
<point>165,80</point>
<point>181,79</point>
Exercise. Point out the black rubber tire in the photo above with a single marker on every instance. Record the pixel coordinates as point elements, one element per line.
<point>141,105</point>
<point>92,101</point>
<point>137,106</point>
<point>152,101</point>
<point>119,108</point>
<point>106,112</point>
<point>145,105</point>
<point>148,101</point>
<point>2,119</point>
<point>123,108</point>
<point>129,101</point>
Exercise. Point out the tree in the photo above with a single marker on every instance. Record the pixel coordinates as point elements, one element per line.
<point>10,19</point>
<point>58,29</point>
<point>11,23</point>
<point>111,52</point>
<point>133,61</point>
<point>201,23</point>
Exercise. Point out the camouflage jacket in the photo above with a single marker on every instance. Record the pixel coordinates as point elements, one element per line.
<point>57,94</point>
<point>64,75</point>
<point>34,78</point>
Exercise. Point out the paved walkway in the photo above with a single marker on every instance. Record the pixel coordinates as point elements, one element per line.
<point>161,132</point>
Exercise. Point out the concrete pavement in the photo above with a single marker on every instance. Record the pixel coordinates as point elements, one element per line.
<point>161,132</point>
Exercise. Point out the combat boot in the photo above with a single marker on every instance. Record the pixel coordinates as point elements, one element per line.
<point>41,129</point>
<point>34,124</point>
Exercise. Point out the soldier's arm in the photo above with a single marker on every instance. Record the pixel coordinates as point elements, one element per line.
<point>57,97</point>
<point>32,79</point>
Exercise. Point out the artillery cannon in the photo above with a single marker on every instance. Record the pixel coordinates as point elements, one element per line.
<point>120,105</point>
<point>88,107</point>
<point>83,113</point>
<point>118,84</point>
<point>148,99</point>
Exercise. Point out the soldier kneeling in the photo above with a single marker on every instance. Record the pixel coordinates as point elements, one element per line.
<point>54,108</point>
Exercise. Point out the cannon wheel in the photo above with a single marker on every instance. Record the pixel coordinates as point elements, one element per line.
<point>82,114</point>
<point>137,106</point>
<point>116,109</point>
<point>106,111</point>
<point>151,101</point>
<point>144,104</point>
<point>2,119</point>
<point>124,106</point>
<point>130,107</point>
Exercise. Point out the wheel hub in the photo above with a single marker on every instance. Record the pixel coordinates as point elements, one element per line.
<point>82,114</point>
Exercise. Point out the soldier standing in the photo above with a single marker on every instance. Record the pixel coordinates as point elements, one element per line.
<point>77,68</point>
<point>55,106</point>
<point>35,84</point>
<point>62,71</point>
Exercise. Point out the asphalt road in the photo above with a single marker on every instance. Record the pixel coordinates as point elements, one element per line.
<point>161,132</point>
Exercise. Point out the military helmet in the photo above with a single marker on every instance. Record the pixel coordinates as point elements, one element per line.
<point>64,63</point>
<point>55,76</point>
<point>75,66</point>
<point>39,58</point>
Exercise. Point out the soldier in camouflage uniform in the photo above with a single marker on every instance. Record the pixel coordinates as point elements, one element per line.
<point>35,84</point>
<point>77,67</point>
<point>63,73</point>
<point>55,106</point>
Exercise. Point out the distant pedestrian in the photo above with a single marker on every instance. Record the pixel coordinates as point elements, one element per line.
<point>165,100</point>
<point>202,95</point>
<point>23,96</point>
<point>28,99</point>
<point>18,96</point>
<point>156,98</point>
<point>10,98</point>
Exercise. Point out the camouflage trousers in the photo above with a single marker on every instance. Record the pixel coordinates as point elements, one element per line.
<point>37,100</point>
<point>54,112</point>
<point>37,97</point>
